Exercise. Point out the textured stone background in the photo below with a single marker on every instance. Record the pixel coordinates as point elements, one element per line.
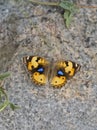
<point>27,29</point>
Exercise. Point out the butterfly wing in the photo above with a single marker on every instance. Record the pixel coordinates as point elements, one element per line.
<point>62,71</point>
<point>38,68</point>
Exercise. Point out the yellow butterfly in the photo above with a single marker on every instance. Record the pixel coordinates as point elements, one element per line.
<point>41,70</point>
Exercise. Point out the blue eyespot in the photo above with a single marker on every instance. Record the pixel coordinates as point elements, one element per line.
<point>60,72</point>
<point>40,70</point>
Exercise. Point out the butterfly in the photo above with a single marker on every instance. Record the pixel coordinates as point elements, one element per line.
<point>41,70</point>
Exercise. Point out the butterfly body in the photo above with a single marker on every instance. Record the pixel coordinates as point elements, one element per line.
<point>41,71</point>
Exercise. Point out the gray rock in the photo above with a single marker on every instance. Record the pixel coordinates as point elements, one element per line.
<point>25,31</point>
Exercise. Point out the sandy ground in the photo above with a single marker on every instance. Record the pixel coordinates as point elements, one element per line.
<point>27,29</point>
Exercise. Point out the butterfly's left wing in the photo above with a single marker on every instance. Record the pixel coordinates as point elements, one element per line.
<point>38,68</point>
<point>62,71</point>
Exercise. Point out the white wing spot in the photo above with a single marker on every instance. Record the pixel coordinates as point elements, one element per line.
<point>27,57</point>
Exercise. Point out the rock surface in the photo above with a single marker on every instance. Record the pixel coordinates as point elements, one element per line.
<point>27,29</point>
